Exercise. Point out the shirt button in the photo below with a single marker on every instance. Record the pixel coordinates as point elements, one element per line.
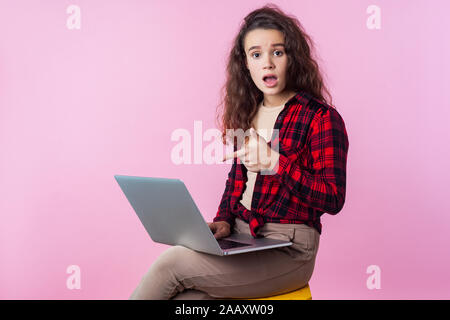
<point>279,117</point>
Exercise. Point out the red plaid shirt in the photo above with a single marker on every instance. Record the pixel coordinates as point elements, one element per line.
<point>311,175</point>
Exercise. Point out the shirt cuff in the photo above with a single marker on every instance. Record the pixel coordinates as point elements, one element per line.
<point>230,220</point>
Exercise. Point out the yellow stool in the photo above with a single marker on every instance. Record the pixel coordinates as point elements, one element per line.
<point>300,294</point>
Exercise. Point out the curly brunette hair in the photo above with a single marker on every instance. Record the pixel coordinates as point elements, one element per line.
<point>240,96</point>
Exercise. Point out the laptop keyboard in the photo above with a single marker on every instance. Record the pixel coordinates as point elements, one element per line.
<point>228,244</point>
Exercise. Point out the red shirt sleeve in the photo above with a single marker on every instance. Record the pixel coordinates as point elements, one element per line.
<point>321,185</point>
<point>224,212</point>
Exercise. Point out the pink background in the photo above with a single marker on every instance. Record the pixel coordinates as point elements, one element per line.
<point>79,106</point>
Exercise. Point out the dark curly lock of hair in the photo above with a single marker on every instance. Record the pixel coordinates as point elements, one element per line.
<point>240,96</point>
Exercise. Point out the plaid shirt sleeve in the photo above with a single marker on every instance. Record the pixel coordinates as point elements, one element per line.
<point>322,185</point>
<point>224,212</point>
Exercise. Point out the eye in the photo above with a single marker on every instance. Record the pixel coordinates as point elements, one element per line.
<point>278,55</point>
<point>280,52</point>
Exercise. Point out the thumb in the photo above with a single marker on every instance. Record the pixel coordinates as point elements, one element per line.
<point>256,135</point>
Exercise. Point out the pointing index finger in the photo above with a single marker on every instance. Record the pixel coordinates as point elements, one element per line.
<point>238,153</point>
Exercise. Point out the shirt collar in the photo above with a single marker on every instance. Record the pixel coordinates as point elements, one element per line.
<point>301,97</point>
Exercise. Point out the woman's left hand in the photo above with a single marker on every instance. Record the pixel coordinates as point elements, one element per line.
<point>256,153</point>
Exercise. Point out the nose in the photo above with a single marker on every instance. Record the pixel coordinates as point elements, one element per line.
<point>268,64</point>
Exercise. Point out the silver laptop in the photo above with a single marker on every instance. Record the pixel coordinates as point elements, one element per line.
<point>170,216</point>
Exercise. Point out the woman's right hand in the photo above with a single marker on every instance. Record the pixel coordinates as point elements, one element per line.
<point>220,229</point>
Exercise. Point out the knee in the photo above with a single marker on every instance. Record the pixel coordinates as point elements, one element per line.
<point>171,258</point>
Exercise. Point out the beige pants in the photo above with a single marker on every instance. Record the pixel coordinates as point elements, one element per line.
<point>182,273</point>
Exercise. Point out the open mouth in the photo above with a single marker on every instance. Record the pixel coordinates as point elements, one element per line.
<point>270,80</point>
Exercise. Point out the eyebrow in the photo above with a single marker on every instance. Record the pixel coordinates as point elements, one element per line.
<point>274,45</point>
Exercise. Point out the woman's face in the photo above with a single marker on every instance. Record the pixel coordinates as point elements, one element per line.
<point>265,54</point>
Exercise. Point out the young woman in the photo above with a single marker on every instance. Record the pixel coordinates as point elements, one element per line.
<point>276,188</point>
